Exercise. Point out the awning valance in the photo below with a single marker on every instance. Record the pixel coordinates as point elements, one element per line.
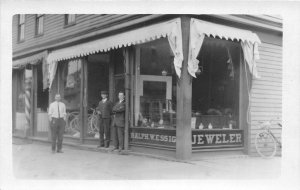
<point>170,29</point>
<point>199,29</point>
<point>34,59</point>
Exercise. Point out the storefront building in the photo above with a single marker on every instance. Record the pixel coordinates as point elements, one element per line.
<point>193,83</point>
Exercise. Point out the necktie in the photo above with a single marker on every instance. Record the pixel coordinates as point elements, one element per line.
<point>58,109</point>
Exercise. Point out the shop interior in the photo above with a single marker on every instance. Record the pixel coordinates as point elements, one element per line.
<point>215,91</point>
<point>156,86</point>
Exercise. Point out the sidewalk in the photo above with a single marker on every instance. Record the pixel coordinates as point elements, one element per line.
<point>35,161</point>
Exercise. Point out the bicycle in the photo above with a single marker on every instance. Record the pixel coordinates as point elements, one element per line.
<point>266,142</point>
<point>73,124</point>
<point>93,122</point>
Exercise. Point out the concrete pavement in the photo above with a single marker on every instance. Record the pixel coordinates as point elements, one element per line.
<point>35,161</point>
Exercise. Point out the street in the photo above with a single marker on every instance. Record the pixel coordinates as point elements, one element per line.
<point>35,161</point>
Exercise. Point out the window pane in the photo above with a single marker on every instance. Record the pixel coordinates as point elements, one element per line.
<point>70,18</point>
<point>22,32</point>
<point>22,19</point>
<point>215,91</point>
<point>156,92</point>
<point>118,61</point>
<point>72,87</point>
<point>40,23</point>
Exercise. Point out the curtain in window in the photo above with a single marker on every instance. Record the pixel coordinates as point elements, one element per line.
<point>251,54</point>
<point>51,72</point>
<point>45,74</point>
<point>175,41</point>
<point>21,26</point>
<point>71,18</point>
<point>40,25</point>
<point>196,41</point>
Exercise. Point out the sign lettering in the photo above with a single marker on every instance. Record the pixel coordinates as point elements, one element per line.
<point>200,138</point>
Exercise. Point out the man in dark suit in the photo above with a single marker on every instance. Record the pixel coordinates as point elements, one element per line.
<point>119,122</point>
<point>104,110</point>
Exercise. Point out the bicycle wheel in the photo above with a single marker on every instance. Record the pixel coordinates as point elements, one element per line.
<point>92,124</point>
<point>74,124</point>
<point>265,145</point>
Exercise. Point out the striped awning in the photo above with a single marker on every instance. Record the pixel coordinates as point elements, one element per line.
<point>224,32</point>
<point>170,29</point>
<point>125,39</point>
<point>199,29</point>
<point>33,60</point>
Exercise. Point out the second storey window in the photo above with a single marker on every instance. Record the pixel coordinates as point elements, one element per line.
<point>39,24</point>
<point>21,27</point>
<point>69,19</point>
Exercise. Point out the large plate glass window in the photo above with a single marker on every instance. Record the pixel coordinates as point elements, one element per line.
<point>215,91</point>
<point>155,97</point>
<point>71,77</point>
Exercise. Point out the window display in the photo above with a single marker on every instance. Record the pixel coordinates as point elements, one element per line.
<point>215,91</point>
<point>156,88</point>
<point>72,82</point>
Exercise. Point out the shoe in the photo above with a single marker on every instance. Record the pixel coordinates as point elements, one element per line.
<point>115,150</point>
<point>59,151</point>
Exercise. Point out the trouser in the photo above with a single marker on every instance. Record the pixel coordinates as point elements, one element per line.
<point>57,131</point>
<point>104,129</point>
<point>119,137</point>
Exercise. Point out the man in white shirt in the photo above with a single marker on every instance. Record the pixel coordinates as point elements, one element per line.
<point>57,117</point>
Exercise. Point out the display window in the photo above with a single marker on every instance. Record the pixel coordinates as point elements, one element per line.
<point>71,80</point>
<point>155,96</point>
<point>156,86</point>
<point>215,91</point>
<point>216,96</point>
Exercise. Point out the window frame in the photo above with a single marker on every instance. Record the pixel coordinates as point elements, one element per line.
<point>20,25</point>
<point>67,23</point>
<point>239,89</point>
<point>38,18</point>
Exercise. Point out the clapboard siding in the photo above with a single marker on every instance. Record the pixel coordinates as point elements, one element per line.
<point>54,27</point>
<point>266,99</point>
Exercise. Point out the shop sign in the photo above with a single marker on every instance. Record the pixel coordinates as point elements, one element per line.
<point>217,138</point>
<point>163,137</point>
<point>200,138</point>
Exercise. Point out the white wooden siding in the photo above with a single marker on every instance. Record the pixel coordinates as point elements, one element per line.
<point>266,100</point>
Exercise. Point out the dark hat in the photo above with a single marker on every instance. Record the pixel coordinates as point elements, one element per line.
<point>104,92</point>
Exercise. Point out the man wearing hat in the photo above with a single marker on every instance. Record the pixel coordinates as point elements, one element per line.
<point>104,110</point>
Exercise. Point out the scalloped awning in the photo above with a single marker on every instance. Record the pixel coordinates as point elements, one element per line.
<point>33,60</point>
<point>170,29</point>
<point>199,29</point>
